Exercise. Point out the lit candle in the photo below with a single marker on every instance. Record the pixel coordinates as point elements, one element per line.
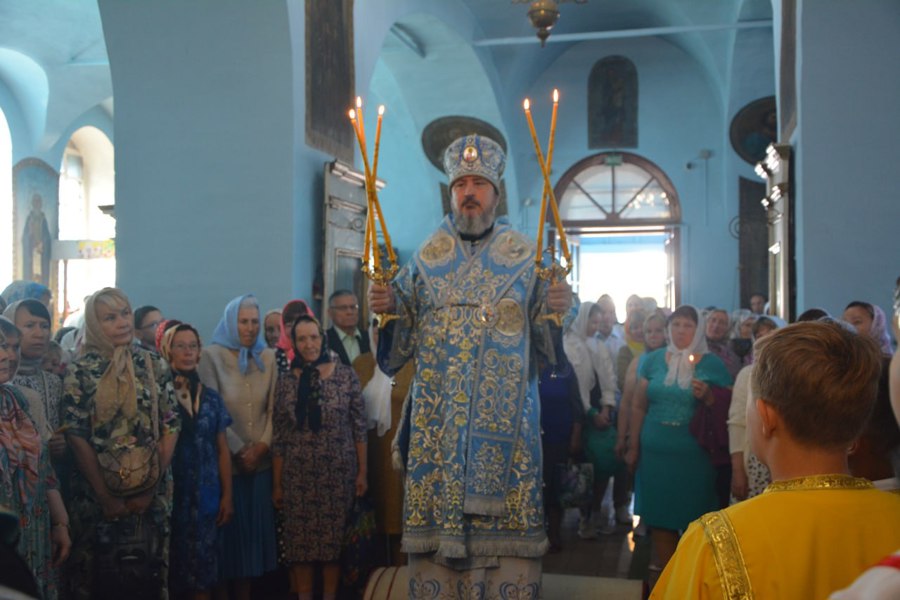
<point>540,156</point>
<point>543,214</point>
<point>377,142</point>
<point>362,127</point>
<point>691,359</point>
<point>371,245</point>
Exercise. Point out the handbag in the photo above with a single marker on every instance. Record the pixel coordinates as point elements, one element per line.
<point>358,549</point>
<point>575,483</point>
<point>131,471</point>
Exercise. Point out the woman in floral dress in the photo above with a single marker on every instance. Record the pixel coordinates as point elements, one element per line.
<point>319,457</point>
<point>117,399</point>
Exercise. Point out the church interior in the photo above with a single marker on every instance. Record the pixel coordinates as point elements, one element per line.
<point>192,151</point>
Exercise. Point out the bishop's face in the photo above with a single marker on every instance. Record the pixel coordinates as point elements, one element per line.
<point>474,204</point>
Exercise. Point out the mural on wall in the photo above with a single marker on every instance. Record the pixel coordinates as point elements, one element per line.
<point>329,76</point>
<point>754,128</point>
<point>35,219</point>
<point>613,104</point>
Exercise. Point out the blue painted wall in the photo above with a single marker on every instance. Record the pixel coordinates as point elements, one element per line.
<point>847,152</point>
<point>204,154</point>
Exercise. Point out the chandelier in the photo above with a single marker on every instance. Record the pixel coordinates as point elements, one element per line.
<point>543,15</point>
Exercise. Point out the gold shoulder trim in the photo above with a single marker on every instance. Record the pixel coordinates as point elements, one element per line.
<point>820,482</point>
<point>728,557</point>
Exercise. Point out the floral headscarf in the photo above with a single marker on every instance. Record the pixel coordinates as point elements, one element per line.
<point>20,441</point>
<point>22,290</point>
<point>226,334</point>
<point>682,361</point>
<point>116,388</point>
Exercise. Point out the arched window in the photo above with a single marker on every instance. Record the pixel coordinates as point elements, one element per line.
<point>87,226</point>
<point>618,207</point>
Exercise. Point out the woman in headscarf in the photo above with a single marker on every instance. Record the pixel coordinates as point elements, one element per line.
<point>284,351</point>
<point>32,319</point>
<point>239,366</point>
<point>272,327</point>
<point>22,290</point>
<point>201,467</point>
<point>675,477</point>
<point>742,321</point>
<point>593,365</point>
<point>27,481</point>
<point>120,422</point>
<point>869,320</point>
<point>718,340</point>
<point>319,457</point>
<point>634,344</point>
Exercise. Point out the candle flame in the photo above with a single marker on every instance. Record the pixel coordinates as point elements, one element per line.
<point>691,358</point>
<point>380,109</point>
<point>555,95</point>
<point>352,114</point>
<point>359,102</point>
<point>526,104</point>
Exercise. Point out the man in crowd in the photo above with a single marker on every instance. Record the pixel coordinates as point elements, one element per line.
<point>344,337</point>
<point>471,312</point>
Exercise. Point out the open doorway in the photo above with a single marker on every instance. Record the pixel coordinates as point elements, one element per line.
<point>624,263</point>
<point>622,214</point>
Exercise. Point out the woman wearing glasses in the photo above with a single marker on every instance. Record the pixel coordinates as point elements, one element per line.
<point>201,467</point>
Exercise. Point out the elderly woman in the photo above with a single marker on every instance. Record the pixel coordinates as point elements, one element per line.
<point>272,327</point>
<point>675,477</point>
<point>749,477</point>
<point>869,320</point>
<point>242,370</point>
<point>120,422</point>
<point>27,481</point>
<point>596,377</point>
<point>718,340</point>
<point>284,351</point>
<point>319,457</point>
<point>201,466</point>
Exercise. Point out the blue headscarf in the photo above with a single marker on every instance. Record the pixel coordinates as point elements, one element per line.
<point>24,290</point>
<point>226,334</point>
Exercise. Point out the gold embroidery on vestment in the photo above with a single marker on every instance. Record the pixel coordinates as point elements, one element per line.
<point>728,557</point>
<point>820,482</point>
<point>439,249</point>
<point>510,249</point>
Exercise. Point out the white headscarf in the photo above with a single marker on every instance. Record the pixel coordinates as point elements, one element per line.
<point>682,362</point>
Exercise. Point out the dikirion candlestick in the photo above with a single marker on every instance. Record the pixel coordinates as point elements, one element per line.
<point>548,196</point>
<point>371,264</point>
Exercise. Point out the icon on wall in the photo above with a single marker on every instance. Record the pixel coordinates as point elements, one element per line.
<point>753,128</point>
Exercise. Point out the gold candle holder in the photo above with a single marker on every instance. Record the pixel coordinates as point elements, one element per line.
<point>556,272</point>
<point>371,265</point>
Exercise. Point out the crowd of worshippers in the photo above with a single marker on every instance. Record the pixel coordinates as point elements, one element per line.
<point>220,460</point>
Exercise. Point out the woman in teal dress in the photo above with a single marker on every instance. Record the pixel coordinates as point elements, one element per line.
<point>675,478</point>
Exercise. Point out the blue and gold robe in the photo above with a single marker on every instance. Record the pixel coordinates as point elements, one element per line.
<point>469,316</point>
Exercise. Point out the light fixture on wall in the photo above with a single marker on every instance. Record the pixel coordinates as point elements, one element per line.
<point>543,15</point>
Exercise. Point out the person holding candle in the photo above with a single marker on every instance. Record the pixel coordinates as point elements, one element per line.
<point>675,478</point>
<point>471,310</point>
